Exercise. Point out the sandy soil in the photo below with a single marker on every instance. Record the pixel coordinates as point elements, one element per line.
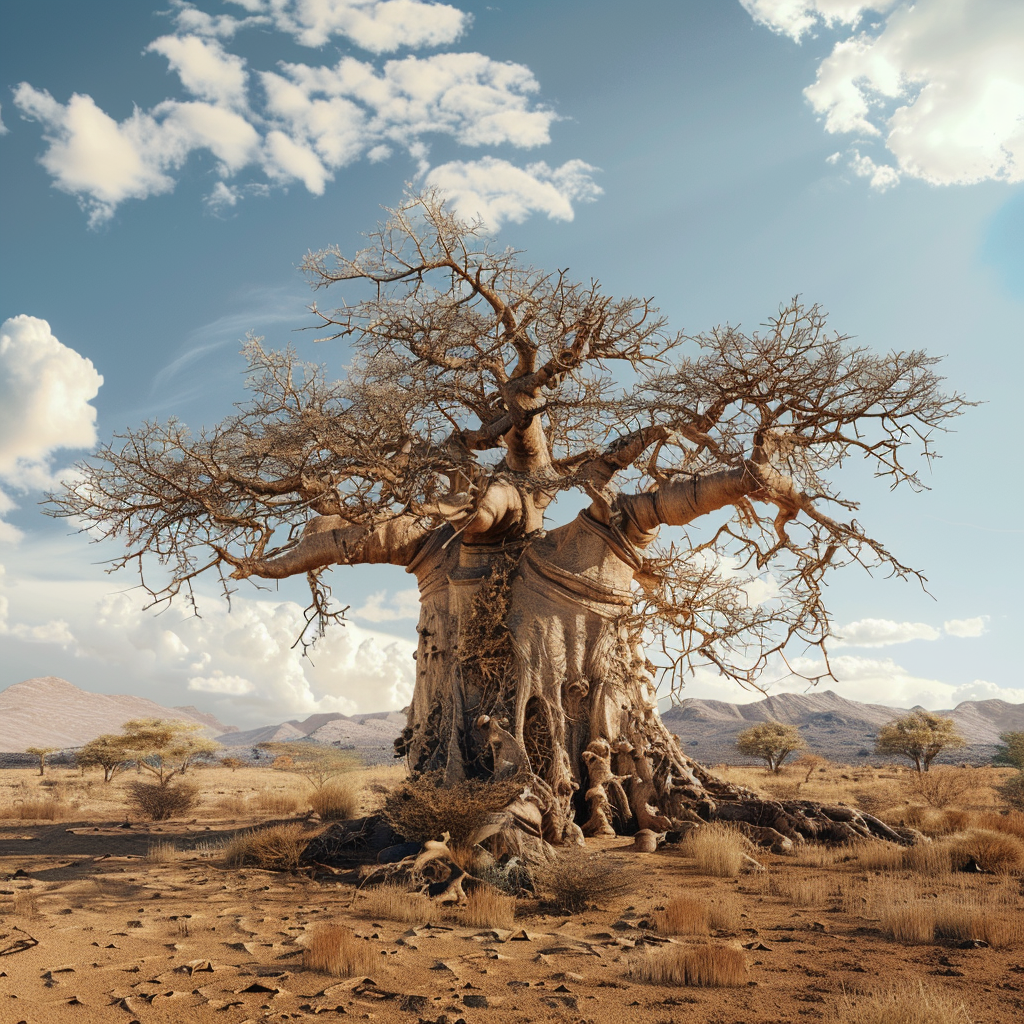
<point>125,928</point>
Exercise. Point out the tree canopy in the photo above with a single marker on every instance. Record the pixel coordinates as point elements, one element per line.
<point>479,390</point>
<point>920,736</point>
<point>771,742</point>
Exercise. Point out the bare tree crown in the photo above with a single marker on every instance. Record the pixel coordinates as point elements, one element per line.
<point>481,388</point>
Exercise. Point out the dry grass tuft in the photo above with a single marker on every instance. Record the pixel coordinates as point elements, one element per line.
<point>335,950</point>
<point>1012,823</point>
<point>277,848</point>
<point>908,922</point>
<point>998,852</point>
<point>904,1005</point>
<point>682,916</point>
<point>487,908</point>
<point>575,880</point>
<point>162,852</point>
<point>279,802</point>
<point>706,966</point>
<point>390,902</point>
<point>47,808</point>
<point>717,849</point>
<point>338,800</point>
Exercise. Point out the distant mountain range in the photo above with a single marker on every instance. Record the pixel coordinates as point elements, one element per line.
<point>837,728</point>
<point>51,712</point>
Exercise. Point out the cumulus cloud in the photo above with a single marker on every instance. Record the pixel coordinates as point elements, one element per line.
<point>242,660</point>
<point>496,191</point>
<point>204,68</point>
<point>45,393</point>
<point>304,122</point>
<point>884,632</point>
<point>965,627</point>
<point>3,128</point>
<point>939,82</point>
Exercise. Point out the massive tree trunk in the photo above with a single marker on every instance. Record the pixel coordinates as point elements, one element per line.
<point>525,664</point>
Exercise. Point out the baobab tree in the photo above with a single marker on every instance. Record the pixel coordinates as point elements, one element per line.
<point>482,394</point>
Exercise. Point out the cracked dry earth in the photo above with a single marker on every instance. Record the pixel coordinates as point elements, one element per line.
<point>120,938</point>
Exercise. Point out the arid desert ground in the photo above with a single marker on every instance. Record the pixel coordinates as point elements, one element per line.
<point>153,922</point>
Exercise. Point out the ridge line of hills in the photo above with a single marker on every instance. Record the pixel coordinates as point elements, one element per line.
<point>51,712</point>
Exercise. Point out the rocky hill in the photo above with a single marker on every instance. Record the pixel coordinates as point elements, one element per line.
<point>837,728</point>
<point>51,712</point>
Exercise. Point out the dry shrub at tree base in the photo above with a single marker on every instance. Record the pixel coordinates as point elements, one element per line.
<point>946,787</point>
<point>910,1004</point>
<point>338,800</point>
<point>705,966</point>
<point>335,950</point>
<point>682,916</point>
<point>574,880</point>
<point>390,902</point>
<point>423,808</point>
<point>158,803</point>
<point>717,850</point>
<point>276,848</point>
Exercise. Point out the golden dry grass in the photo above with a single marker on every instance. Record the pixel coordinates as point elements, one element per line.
<point>716,850</point>
<point>682,916</point>
<point>277,848</point>
<point>333,949</point>
<point>162,852</point>
<point>337,800</point>
<point>998,852</point>
<point>705,966</point>
<point>390,902</point>
<point>487,908</point>
<point>44,808</point>
<point>907,1004</point>
<point>279,802</point>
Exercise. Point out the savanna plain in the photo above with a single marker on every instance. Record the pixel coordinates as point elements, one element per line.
<point>214,917</point>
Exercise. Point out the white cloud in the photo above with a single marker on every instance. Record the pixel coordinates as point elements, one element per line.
<point>3,128</point>
<point>234,686</point>
<point>965,627</point>
<point>45,393</point>
<point>405,604</point>
<point>882,175</point>
<point>308,121</point>
<point>103,162</point>
<point>375,25</point>
<point>883,633</point>
<point>242,659</point>
<point>796,18</point>
<point>204,68</point>
<point>496,190</point>
<point>940,82</point>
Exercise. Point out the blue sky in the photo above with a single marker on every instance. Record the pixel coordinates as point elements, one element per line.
<point>721,156</point>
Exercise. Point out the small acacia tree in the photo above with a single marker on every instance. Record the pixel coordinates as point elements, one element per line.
<point>771,742</point>
<point>315,763</point>
<point>108,752</point>
<point>920,736</point>
<point>42,753</point>
<point>164,747</point>
<point>479,390</point>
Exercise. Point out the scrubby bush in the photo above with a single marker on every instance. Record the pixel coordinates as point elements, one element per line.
<point>998,852</point>
<point>422,808</point>
<point>277,848</point>
<point>574,880</point>
<point>946,787</point>
<point>160,802</point>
